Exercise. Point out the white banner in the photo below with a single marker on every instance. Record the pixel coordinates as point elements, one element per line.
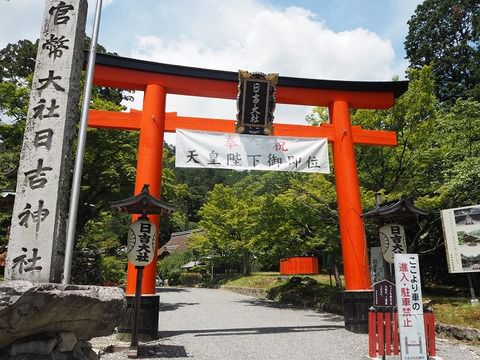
<point>197,149</point>
<point>461,229</point>
<point>409,307</point>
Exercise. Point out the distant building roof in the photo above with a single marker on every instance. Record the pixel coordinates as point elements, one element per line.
<point>7,198</point>
<point>396,209</point>
<point>177,242</point>
<point>191,264</point>
<point>7,193</point>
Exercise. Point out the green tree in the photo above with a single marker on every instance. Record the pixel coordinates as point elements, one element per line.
<point>99,250</point>
<point>415,167</point>
<point>195,185</point>
<point>301,220</point>
<point>411,167</point>
<point>458,141</point>
<point>446,35</point>
<point>318,116</point>
<point>268,216</point>
<point>17,62</point>
<point>229,223</point>
<point>459,131</point>
<point>170,268</point>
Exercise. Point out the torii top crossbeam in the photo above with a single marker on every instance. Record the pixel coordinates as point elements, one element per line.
<point>133,74</point>
<point>157,80</point>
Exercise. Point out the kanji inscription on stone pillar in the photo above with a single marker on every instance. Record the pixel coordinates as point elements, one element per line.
<point>37,237</point>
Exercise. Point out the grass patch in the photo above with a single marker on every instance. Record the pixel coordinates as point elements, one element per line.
<point>267,280</point>
<point>454,310</point>
<point>450,305</point>
<point>256,280</point>
<point>307,292</point>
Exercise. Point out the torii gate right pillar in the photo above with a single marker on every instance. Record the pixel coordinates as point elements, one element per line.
<point>358,296</point>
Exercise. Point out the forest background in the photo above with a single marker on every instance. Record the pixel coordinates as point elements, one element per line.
<point>253,219</point>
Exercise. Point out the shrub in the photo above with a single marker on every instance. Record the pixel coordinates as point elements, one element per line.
<point>170,267</point>
<point>190,279</point>
<point>113,270</point>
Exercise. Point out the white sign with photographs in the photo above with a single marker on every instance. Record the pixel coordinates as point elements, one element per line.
<point>461,229</point>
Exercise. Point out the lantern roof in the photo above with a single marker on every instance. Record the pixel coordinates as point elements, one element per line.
<point>143,203</point>
<point>7,198</point>
<point>396,209</point>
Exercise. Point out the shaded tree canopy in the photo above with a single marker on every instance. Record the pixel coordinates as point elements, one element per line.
<point>446,35</point>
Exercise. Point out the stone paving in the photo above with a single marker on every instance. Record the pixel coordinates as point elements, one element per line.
<point>218,324</point>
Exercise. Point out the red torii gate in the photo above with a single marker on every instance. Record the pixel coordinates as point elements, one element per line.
<point>156,80</point>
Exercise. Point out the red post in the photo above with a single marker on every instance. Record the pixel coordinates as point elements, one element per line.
<point>429,320</point>
<point>352,232</point>
<point>372,333</point>
<point>388,332</point>
<point>396,336</point>
<point>381,333</point>
<point>149,171</point>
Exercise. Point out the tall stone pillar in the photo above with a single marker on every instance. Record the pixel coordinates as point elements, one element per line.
<point>37,239</point>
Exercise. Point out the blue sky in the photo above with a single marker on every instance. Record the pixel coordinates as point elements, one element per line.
<point>324,39</point>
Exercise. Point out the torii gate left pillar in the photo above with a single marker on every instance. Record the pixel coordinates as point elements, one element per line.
<point>149,171</point>
<point>156,80</point>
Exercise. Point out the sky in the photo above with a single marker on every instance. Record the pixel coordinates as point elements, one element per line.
<point>321,39</point>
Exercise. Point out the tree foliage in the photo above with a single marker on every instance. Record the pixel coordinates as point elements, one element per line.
<point>17,62</point>
<point>446,35</point>
<point>411,165</point>
<point>171,269</point>
<point>266,217</point>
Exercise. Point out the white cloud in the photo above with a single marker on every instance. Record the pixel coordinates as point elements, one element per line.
<point>226,36</point>
<point>258,38</point>
<point>21,19</point>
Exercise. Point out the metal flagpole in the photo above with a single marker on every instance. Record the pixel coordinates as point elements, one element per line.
<point>82,137</point>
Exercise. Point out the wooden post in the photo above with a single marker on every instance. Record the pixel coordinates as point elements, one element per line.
<point>133,351</point>
<point>473,298</point>
<point>372,332</point>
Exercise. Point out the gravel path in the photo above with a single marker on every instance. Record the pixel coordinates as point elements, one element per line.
<point>218,324</point>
